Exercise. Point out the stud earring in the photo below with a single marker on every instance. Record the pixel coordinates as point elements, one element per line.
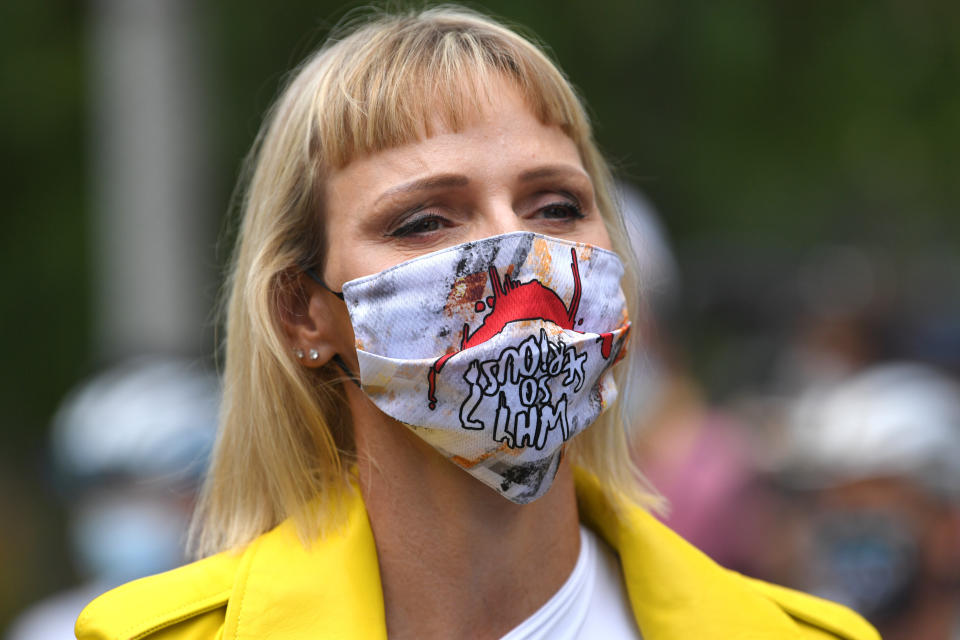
<point>298,353</point>
<point>314,354</point>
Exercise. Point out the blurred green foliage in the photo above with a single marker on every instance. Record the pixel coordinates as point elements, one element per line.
<point>43,259</point>
<point>758,129</point>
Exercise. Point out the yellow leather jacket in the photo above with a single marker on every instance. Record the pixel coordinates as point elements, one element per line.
<point>276,588</point>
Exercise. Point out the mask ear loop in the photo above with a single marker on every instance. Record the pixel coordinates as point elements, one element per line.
<point>337,360</point>
<point>316,278</point>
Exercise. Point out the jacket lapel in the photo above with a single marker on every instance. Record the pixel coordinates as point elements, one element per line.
<point>675,590</point>
<point>329,590</point>
<point>332,589</point>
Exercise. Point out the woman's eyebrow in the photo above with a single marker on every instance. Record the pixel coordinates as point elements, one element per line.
<point>552,171</point>
<point>426,184</point>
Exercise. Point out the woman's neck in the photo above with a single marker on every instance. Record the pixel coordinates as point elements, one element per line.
<point>457,559</point>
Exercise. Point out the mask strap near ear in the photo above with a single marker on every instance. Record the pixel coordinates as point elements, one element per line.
<point>337,360</point>
<point>316,278</point>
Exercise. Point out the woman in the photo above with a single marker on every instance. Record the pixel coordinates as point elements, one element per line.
<point>426,306</point>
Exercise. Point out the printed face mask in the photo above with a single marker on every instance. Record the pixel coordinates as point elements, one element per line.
<point>496,352</point>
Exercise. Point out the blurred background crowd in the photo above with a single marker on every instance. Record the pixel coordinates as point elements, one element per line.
<point>791,175</point>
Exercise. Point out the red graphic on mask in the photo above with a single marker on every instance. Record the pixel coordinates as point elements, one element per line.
<point>514,301</point>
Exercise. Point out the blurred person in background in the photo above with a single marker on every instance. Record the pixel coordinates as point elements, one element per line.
<point>129,447</point>
<point>877,457</point>
<point>425,200</point>
<point>698,456</point>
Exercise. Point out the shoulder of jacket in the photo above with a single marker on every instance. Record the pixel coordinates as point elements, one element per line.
<point>822,615</point>
<point>145,606</point>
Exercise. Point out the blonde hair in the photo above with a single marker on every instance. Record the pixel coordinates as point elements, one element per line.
<point>285,437</point>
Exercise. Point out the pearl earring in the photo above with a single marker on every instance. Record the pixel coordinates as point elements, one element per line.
<point>314,354</point>
<point>298,353</point>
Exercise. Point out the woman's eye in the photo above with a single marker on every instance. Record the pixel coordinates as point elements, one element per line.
<point>426,224</point>
<point>562,211</point>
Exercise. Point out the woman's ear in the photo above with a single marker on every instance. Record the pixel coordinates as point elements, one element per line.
<point>313,320</point>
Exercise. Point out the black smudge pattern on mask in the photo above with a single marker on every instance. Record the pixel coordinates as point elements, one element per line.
<point>523,474</point>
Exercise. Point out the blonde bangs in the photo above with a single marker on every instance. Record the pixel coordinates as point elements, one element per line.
<point>385,87</point>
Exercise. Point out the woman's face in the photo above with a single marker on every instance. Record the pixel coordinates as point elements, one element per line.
<point>505,171</point>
